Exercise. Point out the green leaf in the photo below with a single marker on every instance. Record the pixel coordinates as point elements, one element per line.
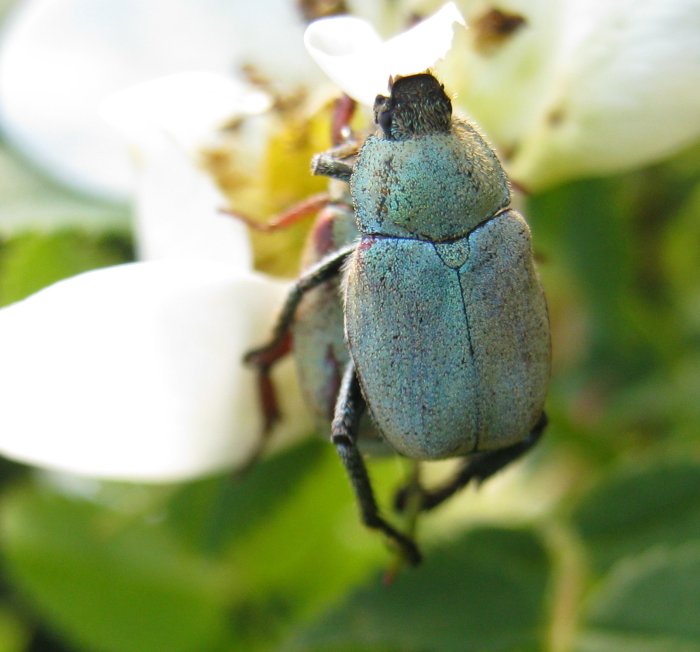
<point>210,515</point>
<point>305,550</point>
<point>648,604</point>
<point>678,248</point>
<point>30,200</point>
<point>289,532</point>
<point>13,633</point>
<point>32,261</point>
<point>639,509</point>
<point>108,586</point>
<point>485,591</point>
<point>584,227</point>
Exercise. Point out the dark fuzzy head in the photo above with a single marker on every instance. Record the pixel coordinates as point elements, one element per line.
<point>417,105</point>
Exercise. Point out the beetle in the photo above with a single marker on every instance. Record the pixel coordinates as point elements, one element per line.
<point>316,334</point>
<point>445,319</point>
<point>320,351</point>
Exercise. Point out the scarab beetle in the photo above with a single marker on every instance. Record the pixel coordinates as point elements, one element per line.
<point>445,319</point>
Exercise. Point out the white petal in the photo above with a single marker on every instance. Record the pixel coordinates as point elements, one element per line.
<point>177,205</point>
<point>627,92</point>
<point>350,52</point>
<point>177,210</point>
<point>134,372</point>
<point>503,87</point>
<point>60,58</point>
<point>188,107</point>
<point>269,37</point>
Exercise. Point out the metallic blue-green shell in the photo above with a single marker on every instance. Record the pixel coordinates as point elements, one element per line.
<point>433,187</point>
<point>450,341</point>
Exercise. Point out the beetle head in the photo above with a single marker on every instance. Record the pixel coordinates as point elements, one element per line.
<point>417,105</point>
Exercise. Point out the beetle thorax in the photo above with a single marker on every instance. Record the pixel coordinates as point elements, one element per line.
<point>436,186</point>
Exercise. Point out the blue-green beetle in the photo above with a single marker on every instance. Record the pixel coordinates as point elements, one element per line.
<point>445,318</point>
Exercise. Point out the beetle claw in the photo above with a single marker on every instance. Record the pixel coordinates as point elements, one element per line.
<point>406,546</point>
<point>401,500</point>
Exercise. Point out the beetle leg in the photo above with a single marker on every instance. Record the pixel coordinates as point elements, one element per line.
<point>289,217</point>
<point>319,273</point>
<point>327,165</point>
<point>266,388</point>
<point>348,410</point>
<point>343,110</point>
<point>479,467</point>
<point>269,405</point>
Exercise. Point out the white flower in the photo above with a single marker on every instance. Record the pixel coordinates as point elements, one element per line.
<point>578,88</point>
<point>135,372</point>
<point>59,59</point>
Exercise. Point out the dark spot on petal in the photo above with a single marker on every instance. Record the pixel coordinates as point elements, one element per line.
<point>314,9</point>
<point>556,117</point>
<point>493,28</point>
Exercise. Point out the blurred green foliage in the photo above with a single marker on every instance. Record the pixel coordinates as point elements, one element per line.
<point>277,560</point>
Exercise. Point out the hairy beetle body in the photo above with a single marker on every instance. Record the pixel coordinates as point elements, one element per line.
<point>445,317</point>
<point>435,187</point>
<point>450,343</point>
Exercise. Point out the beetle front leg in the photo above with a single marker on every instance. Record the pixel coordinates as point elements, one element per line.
<point>348,409</point>
<point>325,165</point>
<point>292,215</point>
<point>479,467</point>
<point>319,273</point>
<point>266,389</point>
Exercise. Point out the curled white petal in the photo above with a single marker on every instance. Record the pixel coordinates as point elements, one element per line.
<point>341,46</point>
<point>134,372</point>
<point>351,53</point>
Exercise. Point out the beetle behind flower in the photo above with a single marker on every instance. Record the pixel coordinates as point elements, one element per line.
<point>445,319</point>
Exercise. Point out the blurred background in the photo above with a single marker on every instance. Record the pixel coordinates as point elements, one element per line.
<point>591,543</point>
